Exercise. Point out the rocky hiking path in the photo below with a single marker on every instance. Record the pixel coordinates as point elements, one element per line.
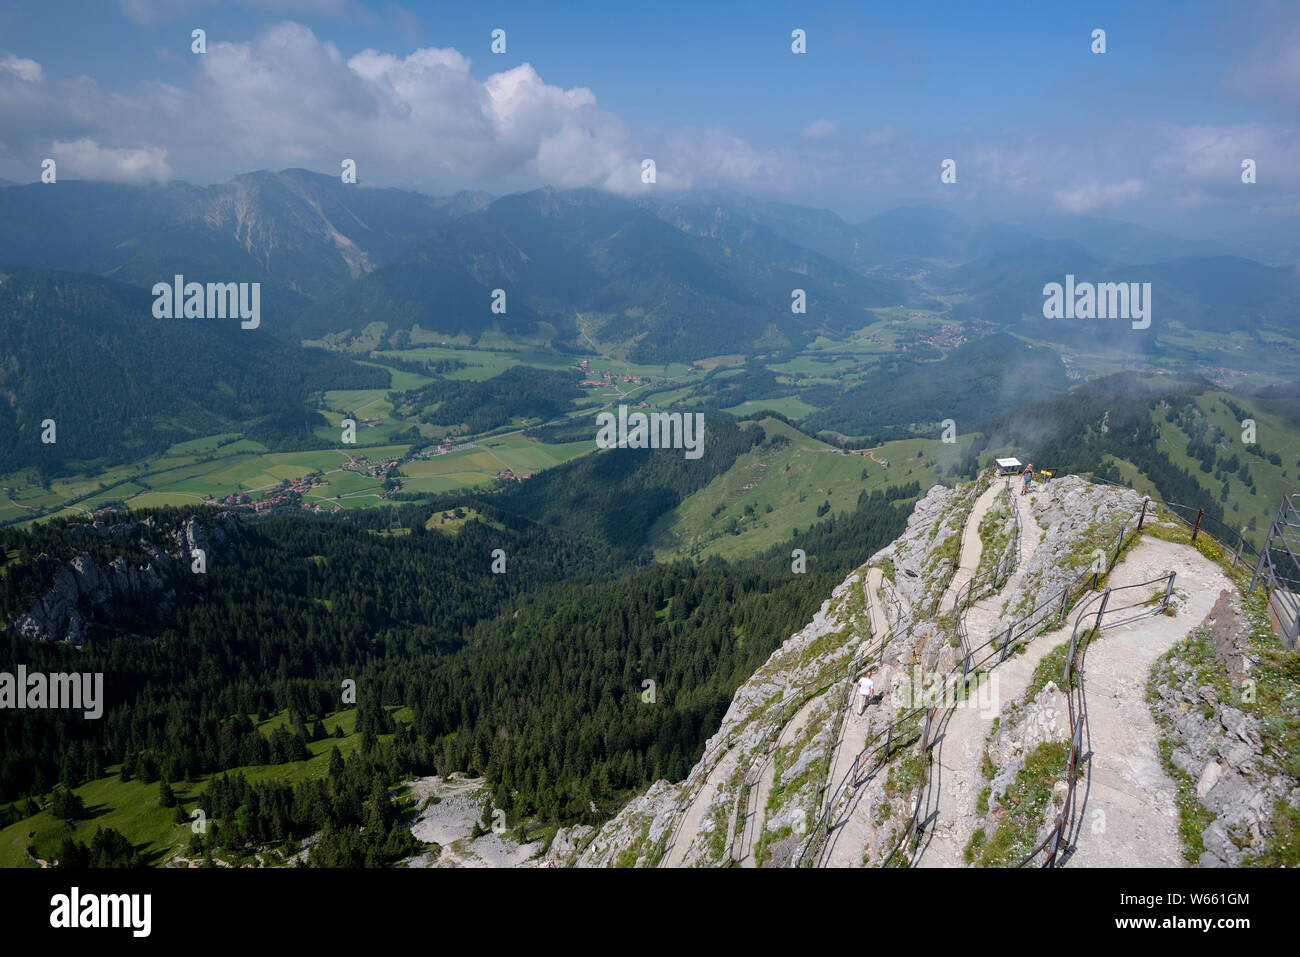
<point>971,547</point>
<point>695,813</point>
<point>856,728</point>
<point>956,778</point>
<point>875,605</point>
<point>844,847</point>
<point>756,816</point>
<point>756,807</point>
<point>1125,812</point>
<point>1129,816</point>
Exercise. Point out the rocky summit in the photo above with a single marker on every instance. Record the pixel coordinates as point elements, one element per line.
<point>963,757</point>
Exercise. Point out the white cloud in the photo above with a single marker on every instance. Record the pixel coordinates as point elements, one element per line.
<point>819,129</point>
<point>287,98</point>
<point>86,159</point>
<point>29,71</point>
<point>1087,197</point>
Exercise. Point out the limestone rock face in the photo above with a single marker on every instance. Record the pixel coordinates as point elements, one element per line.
<point>784,760</point>
<point>84,587</point>
<point>643,824</point>
<point>1219,747</point>
<point>693,824</point>
<point>1078,519</point>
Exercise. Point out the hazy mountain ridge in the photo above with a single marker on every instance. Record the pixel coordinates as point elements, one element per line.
<point>119,382</point>
<point>304,234</point>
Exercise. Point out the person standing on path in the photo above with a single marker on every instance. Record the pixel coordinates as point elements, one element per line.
<point>1029,478</point>
<point>866,690</point>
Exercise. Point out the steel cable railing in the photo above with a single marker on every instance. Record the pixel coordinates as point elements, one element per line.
<point>1072,680</point>
<point>843,675</point>
<point>996,578</point>
<point>1281,574</point>
<point>882,745</point>
<point>1062,602</point>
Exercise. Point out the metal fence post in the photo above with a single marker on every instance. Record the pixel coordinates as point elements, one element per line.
<point>1065,596</point>
<point>1240,545</point>
<point>1200,514</point>
<point>1169,588</point>
<point>1259,566</point>
<point>1143,517</point>
<point>1105,599</point>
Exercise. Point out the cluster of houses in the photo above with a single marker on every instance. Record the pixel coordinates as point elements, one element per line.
<point>949,337</point>
<point>609,378</point>
<point>285,496</point>
<point>362,464</point>
<point>508,475</point>
<point>866,454</point>
<point>443,449</point>
<point>330,507</point>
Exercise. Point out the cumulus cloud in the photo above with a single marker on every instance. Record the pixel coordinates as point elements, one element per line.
<point>86,159</point>
<point>287,98</point>
<point>29,71</point>
<point>284,97</point>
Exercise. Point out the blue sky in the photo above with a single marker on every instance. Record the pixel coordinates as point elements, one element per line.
<point>1152,131</point>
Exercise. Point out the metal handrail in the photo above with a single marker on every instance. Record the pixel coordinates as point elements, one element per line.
<point>1285,584</point>
<point>1000,573</point>
<point>869,751</point>
<point>1076,700</point>
<point>823,818</point>
<point>810,690</point>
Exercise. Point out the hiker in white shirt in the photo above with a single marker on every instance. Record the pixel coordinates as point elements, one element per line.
<point>866,691</point>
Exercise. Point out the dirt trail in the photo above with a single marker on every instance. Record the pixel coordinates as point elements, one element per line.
<point>756,812</point>
<point>957,779</point>
<point>956,774</point>
<point>875,605</point>
<point>856,727</point>
<point>1129,818</point>
<point>971,547</point>
<point>985,614</point>
<point>689,828</point>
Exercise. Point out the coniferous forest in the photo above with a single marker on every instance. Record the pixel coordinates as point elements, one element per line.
<point>532,678</point>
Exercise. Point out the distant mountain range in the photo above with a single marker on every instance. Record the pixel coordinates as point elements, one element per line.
<point>1211,293</point>
<point>682,277</point>
<point>607,274</point>
<point>87,353</point>
<point>301,234</point>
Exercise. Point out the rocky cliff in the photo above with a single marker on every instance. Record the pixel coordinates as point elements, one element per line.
<point>797,776</point>
<point>85,588</point>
